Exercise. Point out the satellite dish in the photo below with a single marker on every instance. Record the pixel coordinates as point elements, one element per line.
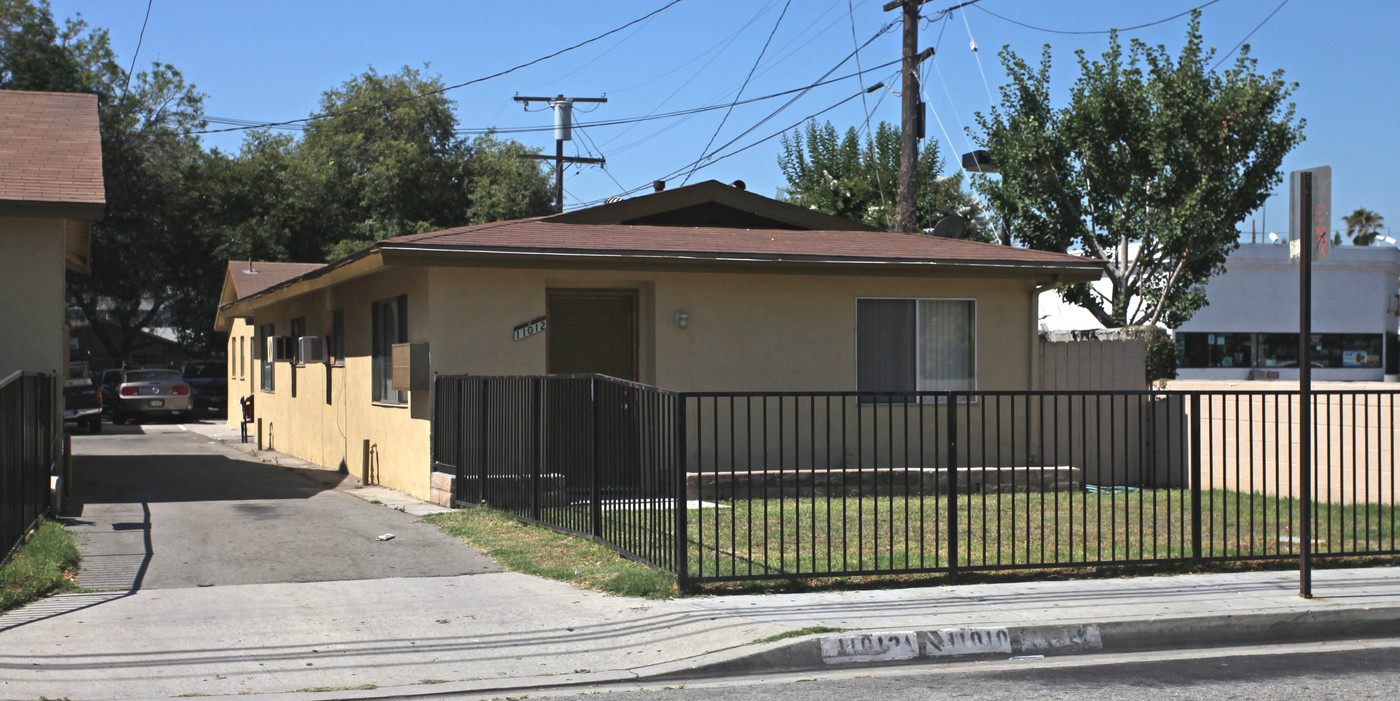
<point>950,227</point>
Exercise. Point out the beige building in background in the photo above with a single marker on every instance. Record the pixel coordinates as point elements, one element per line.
<point>705,287</point>
<point>50,194</point>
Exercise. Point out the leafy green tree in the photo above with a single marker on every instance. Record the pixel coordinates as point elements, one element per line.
<point>383,160</point>
<point>1363,226</point>
<point>1151,167</point>
<point>503,185</point>
<point>842,176</point>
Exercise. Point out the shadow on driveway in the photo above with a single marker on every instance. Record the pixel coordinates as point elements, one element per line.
<point>171,509</point>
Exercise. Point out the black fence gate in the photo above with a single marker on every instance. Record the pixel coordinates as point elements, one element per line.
<point>27,453</point>
<point>587,454</point>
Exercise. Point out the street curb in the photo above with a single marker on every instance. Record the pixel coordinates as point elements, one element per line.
<point>970,643</point>
<point>958,644</point>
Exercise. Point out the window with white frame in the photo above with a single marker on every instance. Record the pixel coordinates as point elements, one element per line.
<point>905,345</point>
<point>389,326</point>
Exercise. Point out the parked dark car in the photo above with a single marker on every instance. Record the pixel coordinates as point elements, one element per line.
<point>208,380</point>
<point>82,398</point>
<point>145,393</point>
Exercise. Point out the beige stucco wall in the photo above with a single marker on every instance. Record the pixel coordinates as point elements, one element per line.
<point>744,332</point>
<point>332,418</point>
<point>32,301</point>
<point>241,364</point>
<point>1251,443</point>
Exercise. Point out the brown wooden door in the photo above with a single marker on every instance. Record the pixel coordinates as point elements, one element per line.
<point>592,331</point>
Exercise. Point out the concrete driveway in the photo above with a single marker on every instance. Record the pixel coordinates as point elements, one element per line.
<point>158,506</point>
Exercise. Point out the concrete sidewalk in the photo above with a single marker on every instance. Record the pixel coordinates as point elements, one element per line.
<point>494,632</point>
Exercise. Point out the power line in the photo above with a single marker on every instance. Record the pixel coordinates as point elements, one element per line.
<point>736,152</point>
<point>745,84</point>
<point>1247,36</point>
<point>439,91</point>
<point>972,41</point>
<point>801,93</point>
<point>139,41</point>
<point>1098,31</point>
<point>879,182</point>
<point>256,124</point>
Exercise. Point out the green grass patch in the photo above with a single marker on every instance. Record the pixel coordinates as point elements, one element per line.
<point>800,632</point>
<point>541,552</point>
<point>794,544</point>
<point>45,564</point>
<point>813,536</point>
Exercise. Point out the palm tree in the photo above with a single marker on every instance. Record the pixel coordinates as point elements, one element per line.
<point>1363,226</point>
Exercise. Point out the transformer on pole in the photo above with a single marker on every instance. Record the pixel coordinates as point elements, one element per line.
<point>563,131</point>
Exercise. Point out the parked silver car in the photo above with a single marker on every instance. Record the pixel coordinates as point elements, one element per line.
<point>148,393</point>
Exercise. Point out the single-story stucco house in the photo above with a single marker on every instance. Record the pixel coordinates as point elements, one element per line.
<point>51,192</point>
<point>704,287</point>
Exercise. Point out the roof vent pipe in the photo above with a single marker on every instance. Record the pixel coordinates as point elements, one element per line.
<point>658,185</point>
<point>739,185</point>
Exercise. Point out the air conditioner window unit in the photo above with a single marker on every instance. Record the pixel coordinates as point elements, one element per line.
<point>312,349</point>
<point>280,349</point>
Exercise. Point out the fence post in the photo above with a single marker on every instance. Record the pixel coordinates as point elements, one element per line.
<point>952,485</point>
<point>595,497</point>
<point>682,527</point>
<point>537,434</point>
<point>1196,475</point>
<point>483,442</point>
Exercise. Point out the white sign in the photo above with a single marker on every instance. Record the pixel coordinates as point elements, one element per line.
<point>529,328</point>
<point>872,647</point>
<point>968,641</point>
<point>1317,224</point>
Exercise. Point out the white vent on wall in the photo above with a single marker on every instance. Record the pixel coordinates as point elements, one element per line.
<point>312,349</point>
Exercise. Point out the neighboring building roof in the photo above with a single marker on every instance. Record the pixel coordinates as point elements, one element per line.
<point>246,278</point>
<point>708,203</point>
<point>50,155</point>
<point>252,277</point>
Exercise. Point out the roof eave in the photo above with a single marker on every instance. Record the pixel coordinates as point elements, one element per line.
<point>90,211</point>
<point>356,265</point>
<point>1089,271</point>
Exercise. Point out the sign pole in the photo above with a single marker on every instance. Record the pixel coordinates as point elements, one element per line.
<point>1305,246</point>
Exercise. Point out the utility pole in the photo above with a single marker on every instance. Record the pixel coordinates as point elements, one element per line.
<point>911,115</point>
<point>563,131</point>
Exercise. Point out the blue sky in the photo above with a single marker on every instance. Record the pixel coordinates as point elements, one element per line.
<point>270,61</point>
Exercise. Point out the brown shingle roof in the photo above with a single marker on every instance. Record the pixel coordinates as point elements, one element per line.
<point>252,278</point>
<point>50,151</point>
<point>539,236</point>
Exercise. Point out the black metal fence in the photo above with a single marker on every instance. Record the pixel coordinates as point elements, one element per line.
<point>812,484</point>
<point>587,454</point>
<point>27,454</point>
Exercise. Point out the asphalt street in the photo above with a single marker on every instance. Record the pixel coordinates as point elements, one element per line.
<point>1302,672</point>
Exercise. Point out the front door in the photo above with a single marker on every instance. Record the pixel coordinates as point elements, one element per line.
<point>592,331</point>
